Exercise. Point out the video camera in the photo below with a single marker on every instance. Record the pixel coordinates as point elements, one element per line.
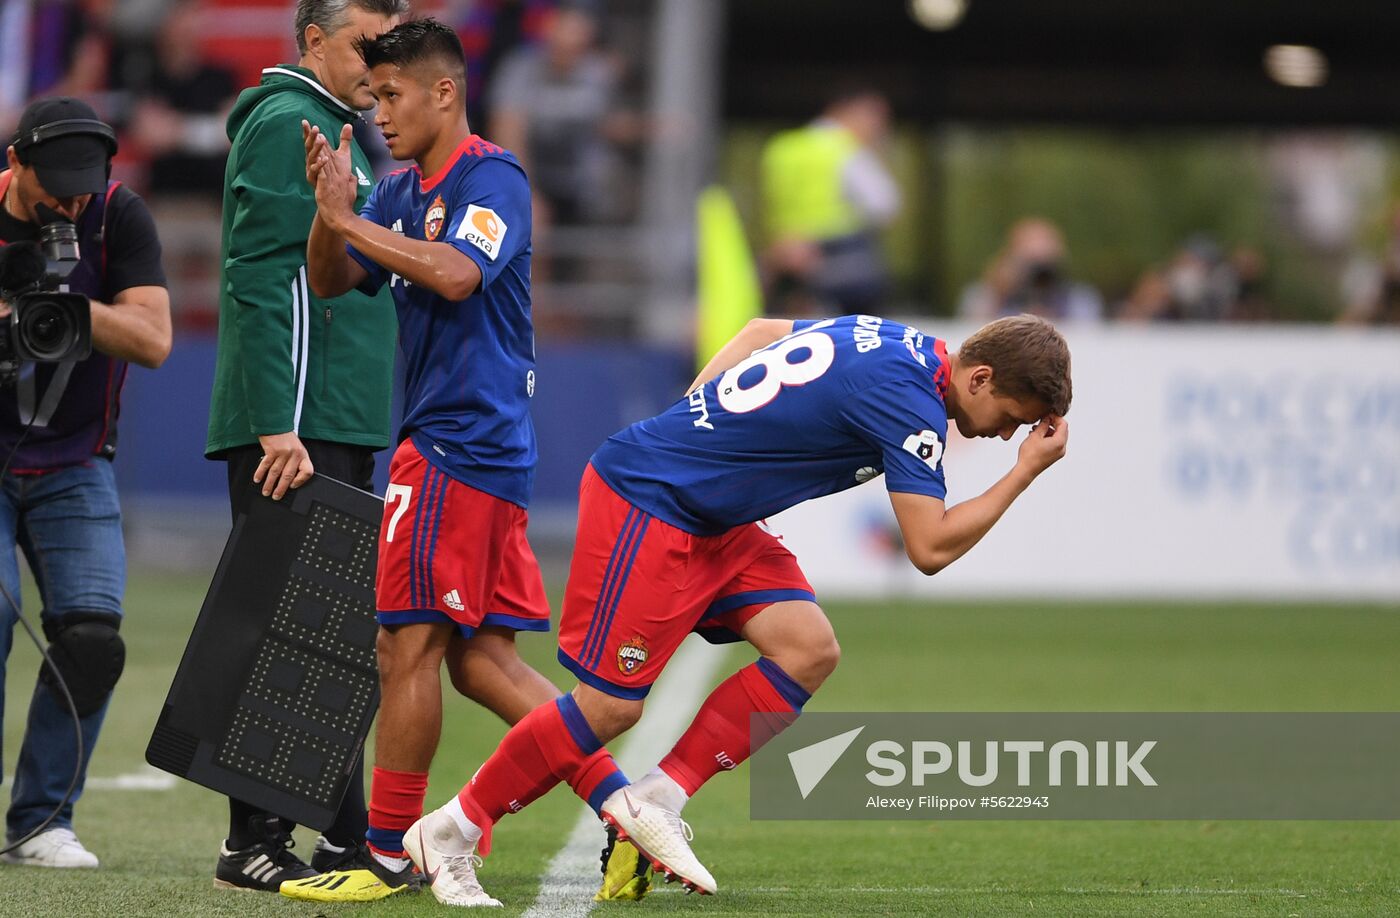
<point>46,324</point>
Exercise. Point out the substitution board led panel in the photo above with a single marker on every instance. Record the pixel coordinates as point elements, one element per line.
<point>278,685</point>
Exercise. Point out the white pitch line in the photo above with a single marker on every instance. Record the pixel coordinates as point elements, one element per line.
<point>147,779</point>
<point>572,877</point>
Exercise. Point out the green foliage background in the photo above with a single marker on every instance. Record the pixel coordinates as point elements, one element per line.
<point>1126,200</point>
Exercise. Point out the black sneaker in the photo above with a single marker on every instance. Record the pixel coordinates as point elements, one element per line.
<point>262,866</point>
<point>352,875</point>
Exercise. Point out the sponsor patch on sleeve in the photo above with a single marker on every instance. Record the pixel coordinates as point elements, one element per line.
<point>483,228</point>
<point>926,445</point>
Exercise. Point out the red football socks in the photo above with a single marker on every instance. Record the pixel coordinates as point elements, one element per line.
<point>552,743</point>
<point>718,738</point>
<point>395,803</point>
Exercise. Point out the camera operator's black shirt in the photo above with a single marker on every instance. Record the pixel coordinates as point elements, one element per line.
<point>133,250</point>
<point>56,415</point>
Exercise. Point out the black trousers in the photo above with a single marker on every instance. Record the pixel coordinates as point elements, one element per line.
<point>353,465</point>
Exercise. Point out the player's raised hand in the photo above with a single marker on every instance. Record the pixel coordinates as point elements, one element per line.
<point>335,180</point>
<point>313,140</point>
<point>341,154</point>
<point>1045,444</point>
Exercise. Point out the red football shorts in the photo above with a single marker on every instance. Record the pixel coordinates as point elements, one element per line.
<point>451,553</point>
<point>638,586</point>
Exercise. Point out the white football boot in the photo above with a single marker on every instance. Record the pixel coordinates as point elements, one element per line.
<point>661,836</point>
<point>56,847</point>
<point>447,859</point>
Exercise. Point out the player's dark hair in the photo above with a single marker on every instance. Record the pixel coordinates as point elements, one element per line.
<point>1028,357</point>
<point>332,15</point>
<point>415,42</point>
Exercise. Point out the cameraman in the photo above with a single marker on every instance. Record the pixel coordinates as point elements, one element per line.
<point>1030,274</point>
<point>58,496</point>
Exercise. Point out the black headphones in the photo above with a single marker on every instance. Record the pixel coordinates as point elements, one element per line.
<point>55,129</point>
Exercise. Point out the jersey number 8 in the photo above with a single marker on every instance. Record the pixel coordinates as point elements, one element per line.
<point>778,370</point>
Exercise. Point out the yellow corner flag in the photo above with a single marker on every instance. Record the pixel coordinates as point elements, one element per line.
<point>729,290</point>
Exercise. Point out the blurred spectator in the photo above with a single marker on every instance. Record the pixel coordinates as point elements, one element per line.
<point>1030,275</point>
<point>1322,183</point>
<point>181,102</point>
<point>490,30</point>
<point>1371,286</point>
<point>51,47</point>
<point>826,193</point>
<point>553,106</point>
<point>1252,303</point>
<point>1201,284</point>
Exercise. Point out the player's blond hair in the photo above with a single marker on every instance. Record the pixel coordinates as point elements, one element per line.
<point>1028,357</point>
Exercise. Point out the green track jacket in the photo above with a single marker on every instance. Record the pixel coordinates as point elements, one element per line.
<point>287,359</point>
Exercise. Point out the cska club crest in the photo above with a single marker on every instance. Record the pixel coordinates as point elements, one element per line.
<point>437,216</point>
<point>632,656</point>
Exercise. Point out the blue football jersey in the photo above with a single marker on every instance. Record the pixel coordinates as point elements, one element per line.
<point>830,406</point>
<point>469,364</point>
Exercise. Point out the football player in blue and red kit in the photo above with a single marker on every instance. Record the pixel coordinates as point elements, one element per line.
<point>669,543</point>
<point>450,236</point>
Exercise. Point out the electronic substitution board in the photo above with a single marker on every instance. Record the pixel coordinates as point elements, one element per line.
<point>278,685</point>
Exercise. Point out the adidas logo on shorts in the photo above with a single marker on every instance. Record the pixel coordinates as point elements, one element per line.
<point>453,601</point>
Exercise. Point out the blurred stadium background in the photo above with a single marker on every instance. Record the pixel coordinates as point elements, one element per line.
<point>1172,180</point>
<point>1206,194</point>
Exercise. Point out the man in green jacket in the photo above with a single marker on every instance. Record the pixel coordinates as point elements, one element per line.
<point>301,384</point>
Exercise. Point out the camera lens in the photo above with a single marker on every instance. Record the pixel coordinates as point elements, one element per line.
<point>46,329</point>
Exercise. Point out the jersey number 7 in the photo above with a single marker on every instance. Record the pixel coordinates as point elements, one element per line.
<point>403,494</point>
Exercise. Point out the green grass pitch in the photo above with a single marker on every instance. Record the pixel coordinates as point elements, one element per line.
<point>158,847</point>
